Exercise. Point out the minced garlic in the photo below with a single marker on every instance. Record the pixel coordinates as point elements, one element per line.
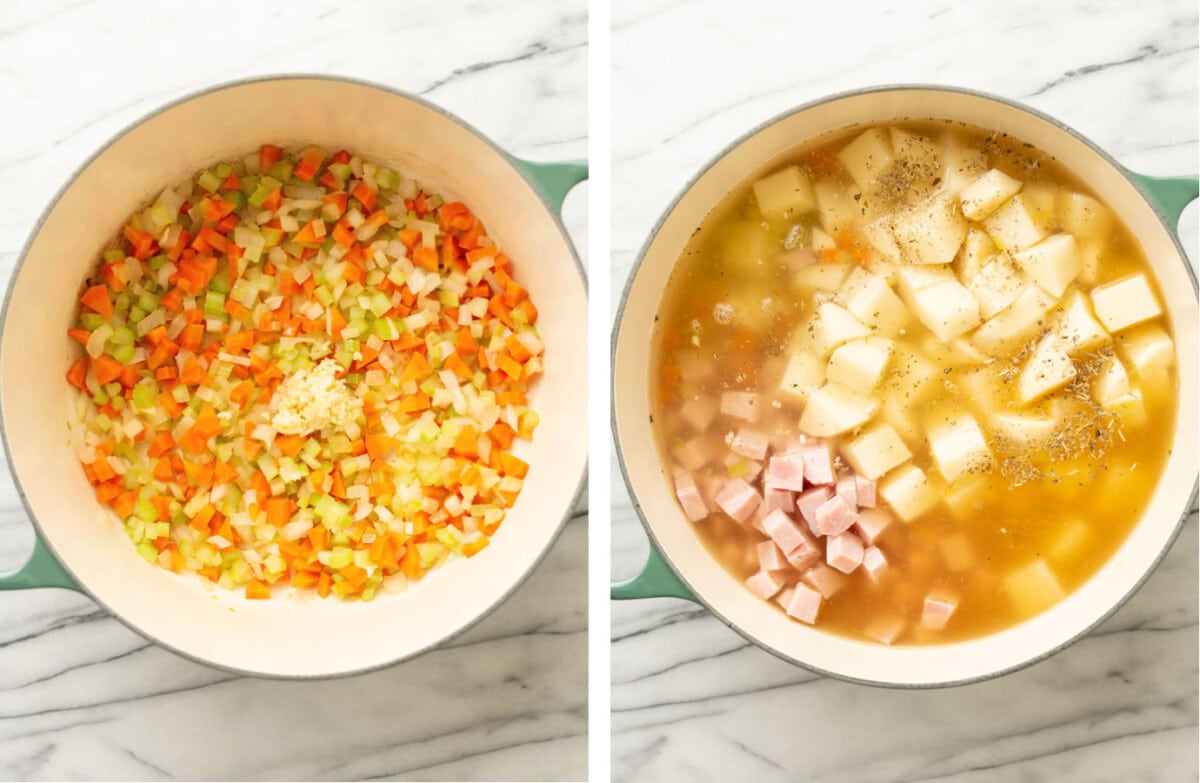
<point>313,399</point>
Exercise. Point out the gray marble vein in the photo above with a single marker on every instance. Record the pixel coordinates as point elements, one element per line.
<point>693,700</point>
<point>83,697</point>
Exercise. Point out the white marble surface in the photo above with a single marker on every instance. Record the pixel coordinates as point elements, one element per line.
<point>692,700</point>
<point>81,696</point>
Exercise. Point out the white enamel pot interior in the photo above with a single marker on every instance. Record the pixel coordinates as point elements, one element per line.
<point>672,534</point>
<point>289,636</point>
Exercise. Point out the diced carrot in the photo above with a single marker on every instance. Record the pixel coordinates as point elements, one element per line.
<point>239,342</point>
<point>224,473</point>
<point>502,435</point>
<point>312,233</point>
<point>216,208</point>
<point>305,579</point>
<point>337,322</point>
<point>240,394</point>
<point>106,368</point>
<point>107,493</point>
<point>512,465</point>
<point>308,165</point>
<point>79,335</point>
<point>509,366</point>
<point>456,365</point>
<point>527,309</point>
<point>365,195</point>
<point>279,510</point>
<point>354,575</point>
<point>96,299</point>
<point>409,237</point>
<point>465,344</point>
<point>379,445</point>
<point>257,590</point>
<point>193,374</point>
<point>324,584</point>
<point>426,258</point>
<point>142,242</point>
<point>163,471</point>
<point>474,547</point>
<point>77,375</point>
<point>162,443</point>
<point>411,563</point>
<point>268,156</point>
<point>417,369</point>
<point>318,536</point>
<point>168,404</point>
<point>342,235</point>
<point>289,445</point>
<point>415,403</point>
<point>466,444</point>
<point>274,200</point>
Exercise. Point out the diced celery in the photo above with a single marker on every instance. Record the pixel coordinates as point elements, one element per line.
<point>281,170</point>
<point>136,314</point>
<point>113,256</point>
<point>223,170</point>
<point>122,335</point>
<point>123,353</point>
<point>122,302</point>
<point>214,303</point>
<point>340,557</point>
<point>387,179</point>
<point>148,552</point>
<point>386,329</point>
<point>340,170</point>
<point>271,236</point>
<point>158,262</point>
<point>260,194</point>
<point>220,282</point>
<point>266,463</point>
<point>147,302</point>
<point>144,395</point>
<point>209,181</point>
<point>92,321</point>
<point>380,303</point>
<point>235,197</point>
<point>118,402</point>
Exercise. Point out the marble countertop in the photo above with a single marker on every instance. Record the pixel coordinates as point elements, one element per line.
<point>693,700</point>
<point>83,697</point>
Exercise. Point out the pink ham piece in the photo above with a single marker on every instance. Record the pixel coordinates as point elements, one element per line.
<point>886,629</point>
<point>937,610</point>
<point>770,558</point>
<point>808,501</point>
<point>779,499</point>
<point>689,496</point>
<point>844,552</point>
<point>756,519</point>
<point>818,464</point>
<point>784,531</point>
<point>740,405</point>
<point>765,584</point>
<point>785,471</point>
<point>750,443</point>
<point>847,490</point>
<point>827,581</point>
<point>871,524</point>
<point>865,492</point>
<point>738,499</point>
<point>804,555</point>
<point>804,604</point>
<point>874,563</point>
<point>833,517</point>
<point>695,453</point>
<point>699,412</point>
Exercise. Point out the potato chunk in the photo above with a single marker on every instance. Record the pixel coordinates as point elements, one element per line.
<point>1022,429</point>
<point>1049,368</point>
<point>1125,302</point>
<point>833,326</point>
<point>1009,329</point>
<point>859,364</point>
<point>1083,216</point>
<point>958,446</point>
<point>786,192</point>
<point>1147,348</point>
<point>1077,329</point>
<point>804,374</point>
<point>997,285</point>
<point>821,277</point>
<point>867,156</point>
<point>1018,224</point>
<point>983,196</point>
<point>836,204</point>
<point>833,409</point>
<point>909,492</point>
<point>931,233</point>
<point>977,249</point>
<point>963,164</point>
<point>947,309</point>
<point>1033,588</point>
<point>1111,382</point>
<point>1052,263</point>
<point>876,451</point>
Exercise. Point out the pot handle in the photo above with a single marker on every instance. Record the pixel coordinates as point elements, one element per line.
<point>553,180</point>
<point>1170,194</point>
<point>655,580</point>
<point>40,570</point>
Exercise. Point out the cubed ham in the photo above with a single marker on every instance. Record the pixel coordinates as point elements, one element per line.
<point>785,471</point>
<point>804,604</point>
<point>740,405</point>
<point>827,581</point>
<point>784,531</point>
<point>808,501</point>
<point>710,487</point>
<point>871,523</point>
<point>750,443</point>
<point>695,453</point>
<point>756,519</point>
<point>886,629</point>
<point>818,464</point>
<point>699,412</point>
<point>738,499</point>
<point>874,563</point>
<point>770,557</point>
<point>785,596</point>
<point>844,552</point>
<point>779,499</point>
<point>937,610</point>
<point>765,584</point>
<point>847,490</point>
<point>833,517</point>
<point>804,555</point>
<point>689,496</point>
<point>865,491</point>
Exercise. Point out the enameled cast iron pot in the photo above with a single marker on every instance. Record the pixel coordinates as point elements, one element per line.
<point>680,566</point>
<point>291,636</point>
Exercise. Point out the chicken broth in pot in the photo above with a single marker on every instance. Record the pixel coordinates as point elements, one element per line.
<point>915,384</point>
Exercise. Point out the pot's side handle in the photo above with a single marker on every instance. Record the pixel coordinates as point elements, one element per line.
<point>554,180</point>
<point>1170,194</point>
<point>655,580</point>
<point>40,570</point>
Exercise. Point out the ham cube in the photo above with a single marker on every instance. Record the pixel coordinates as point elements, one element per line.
<point>785,596</point>
<point>740,405</point>
<point>804,604</point>
<point>808,501</point>
<point>695,453</point>
<point>750,443</point>
<point>756,519</point>
<point>779,499</point>
<point>844,552</point>
<point>827,581</point>
<point>804,555</point>
<point>886,629</point>
<point>689,496</point>
<point>818,464</point>
<point>937,610</point>
<point>770,558</point>
<point>865,492</point>
<point>874,563</point>
<point>765,584</point>
<point>738,499</point>
<point>784,531</point>
<point>871,523</point>
<point>847,490</point>
<point>699,412</point>
<point>785,471</point>
<point>833,517</point>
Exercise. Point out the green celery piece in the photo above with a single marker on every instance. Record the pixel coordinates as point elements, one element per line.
<point>122,335</point>
<point>144,395</point>
<point>137,313</point>
<point>259,195</point>
<point>147,302</point>
<point>113,256</point>
<point>235,197</point>
<point>223,170</point>
<point>220,282</point>
<point>340,170</point>
<point>145,511</point>
<point>92,321</point>
<point>209,181</point>
<point>158,262</point>
<point>123,354</point>
<point>281,170</point>
<point>122,302</point>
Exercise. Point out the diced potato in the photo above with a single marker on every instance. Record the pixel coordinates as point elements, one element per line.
<point>1083,216</point>
<point>876,451</point>
<point>975,252</point>
<point>835,202</point>
<point>955,353</point>
<point>957,552</point>
<point>833,409</point>
<point>786,192</point>
<point>1052,263</point>
<point>1008,330</point>
<point>911,279</point>
<point>963,165</point>
<point>997,285</point>
<point>981,388</point>
<point>1018,223</point>
<point>1067,545</point>
<point>983,196</point>
<point>1077,329</point>
<point>833,326</point>
<point>1147,347</point>
<point>916,150</point>
<point>909,492</point>
<point>822,241</point>
<point>1049,368</point>
<point>931,233</point>
<point>912,376</point>
<point>1091,254</point>
<point>966,497</point>
<point>958,446</point>
<point>947,309</point>
<point>1033,588</point>
<point>1125,302</point>
<point>822,277</point>
<point>804,374</point>
<point>745,246</point>
<point>1022,429</point>
<point>1130,409</point>
<point>900,417</point>
<point>879,236</point>
<point>859,364</point>
<point>867,156</point>
<point>1111,382</point>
